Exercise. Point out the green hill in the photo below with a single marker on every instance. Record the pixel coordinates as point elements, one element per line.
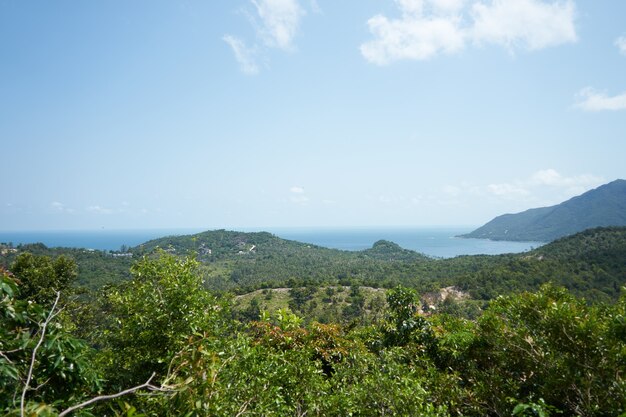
<point>591,264</point>
<point>602,207</point>
<point>219,245</point>
<point>241,262</point>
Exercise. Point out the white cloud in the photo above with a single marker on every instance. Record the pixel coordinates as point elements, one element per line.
<point>551,177</point>
<point>427,28</point>
<point>299,199</point>
<point>245,56</point>
<point>452,190</point>
<point>393,199</point>
<point>411,7</point>
<point>280,21</point>
<point>532,24</point>
<point>61,208</point>
<point>448,6</point>
<point>590,99</point>
<point>508,190</point>
<point>298,196</point>
<point>99,210</point>
<point>621,44</point>
<point>543,187</point>
<point>414,36</point>
<point>277,23</point>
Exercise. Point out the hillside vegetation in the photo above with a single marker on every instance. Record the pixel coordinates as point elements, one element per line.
<point>160,344</point>
<point>590,264</point>
<point>244,262</point>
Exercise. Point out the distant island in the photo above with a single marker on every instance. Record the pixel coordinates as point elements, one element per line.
<point>600,207</point>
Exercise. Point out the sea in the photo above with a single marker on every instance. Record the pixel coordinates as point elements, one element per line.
<point>437,242</point>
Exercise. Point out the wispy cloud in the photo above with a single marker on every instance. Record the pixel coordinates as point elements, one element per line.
<point>621,44</point>
<point>61,208</point>
<point>427,28</point>
<point>277,23</point>
<point>452,190</point>
<point>415,35</point>
<point>543,183</point>
<point>530,24</point>
<point>589,99</point>
<point>99,210</point>
<point>553,178</point>
<point>298,195</point>
<point>510,191</point>
<point>280,20</point>
<point>315,7</point>
<point>245,56</point>
<point>543,187</point>
<point>299,199</point>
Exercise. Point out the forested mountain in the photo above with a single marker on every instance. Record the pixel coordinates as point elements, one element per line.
<point>603,206</point>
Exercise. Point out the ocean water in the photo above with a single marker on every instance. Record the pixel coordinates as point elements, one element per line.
<point>90,239</point>
<point>440,242</point>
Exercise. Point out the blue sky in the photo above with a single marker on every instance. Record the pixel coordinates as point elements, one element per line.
<point>274,113</point>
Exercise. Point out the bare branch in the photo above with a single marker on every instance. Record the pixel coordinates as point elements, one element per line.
<point>42,384</point>
<point>6,358</point>
<point>146,385</point>
<point>32,359</point>
<point>244,407</point>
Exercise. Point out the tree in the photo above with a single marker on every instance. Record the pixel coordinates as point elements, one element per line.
<point>40,362</point>
<point>152,316</point>
<point>550,345</point>
<point>41,277</point>
<point>403,321</point>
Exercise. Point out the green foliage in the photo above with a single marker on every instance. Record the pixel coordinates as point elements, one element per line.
<point>362,305</point>
<point>240,377</point>
<point>590,264</point>
<point>283,318</point>
<point>300,297</point>
<point>95,268</point>
<point>553,346</point>
<point>374,385</point>
<point>390,251</point>
<point>41,277</point>
<point>63,370</point>
<point>151,317</point>
<point>539,409</point>
<point>536,353</point>
<point>403,320</point>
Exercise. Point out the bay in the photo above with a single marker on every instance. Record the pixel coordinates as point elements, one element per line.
<point>439,242</point>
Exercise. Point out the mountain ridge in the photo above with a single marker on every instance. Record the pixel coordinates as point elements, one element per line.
<point>604,206</point>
